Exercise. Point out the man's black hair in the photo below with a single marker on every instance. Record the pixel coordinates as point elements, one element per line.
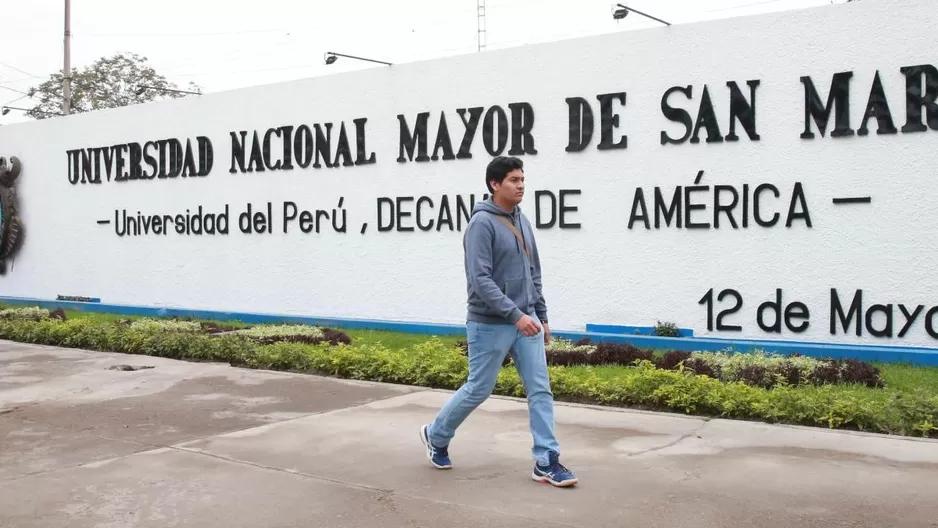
<point>499,168</point>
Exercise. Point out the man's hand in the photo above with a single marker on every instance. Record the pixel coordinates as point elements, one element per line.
<point>546,333</point>
<point>528,326</point>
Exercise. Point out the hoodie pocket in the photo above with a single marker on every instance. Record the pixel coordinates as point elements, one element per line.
<point>517,291</point>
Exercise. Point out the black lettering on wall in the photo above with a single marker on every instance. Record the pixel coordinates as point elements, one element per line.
<point>915,100</point>
<point>678,206</point>
<point>558,209</point>
<point>580,124</point>
<point>877,106</point>
<point>838,100</point>
<point>471,124</point>
<point>793,311</point>
<point>344,150</point>
<point>324,147</point>
<point>565,209</point>
<point>677,115</point>
<point>135,161</point>
<point>609,120</point>
<point>742,110</point>
<point>237,151</point>
<point>362,158</point>
<point>497,131</point>
<point>268,164</point>
<point>673,210</point>
<point>552,209</point>
<point>443,141</point>
<point>86,167</point>
<point>522,123</point>
<point>395,214</point>
<point>417,139</point>
<point>855,312</point>
<point>707,118</point>
<point>489,133</point>
<point>303,146</point>
<point>279,148</point>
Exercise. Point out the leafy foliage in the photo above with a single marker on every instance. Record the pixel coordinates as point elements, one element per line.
<point>435,363</point>
<point>313,335</point>
<point>168,325</point>
<point>109,82</point>
<point>666,329</point>
<point>31,313</point>
<point>758,369</point>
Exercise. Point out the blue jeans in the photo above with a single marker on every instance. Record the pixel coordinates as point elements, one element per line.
<point>488,345</point>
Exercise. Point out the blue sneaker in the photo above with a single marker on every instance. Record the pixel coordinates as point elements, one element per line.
<point>438,456</point>
<point>554,473</point>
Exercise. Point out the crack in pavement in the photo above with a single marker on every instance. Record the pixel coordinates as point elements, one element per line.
<point>384,494</point>
<point>387,499</point>
<point>672,443</point>
<point>147,446</point>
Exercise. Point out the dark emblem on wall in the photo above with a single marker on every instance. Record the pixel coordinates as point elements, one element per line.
<point>11,230</point>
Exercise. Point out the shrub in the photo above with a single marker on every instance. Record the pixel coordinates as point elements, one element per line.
<point>770,370</point>
<point>861,372</point>
<point>30,313</point>
<point>697,385</point>
<point>672,359</point>
<point>700,366</point>
<point>312,335</point>
<point>758,368</point>
<point>666,330</point>
<point>210,327</point>
<point>166,325</point>
<point>566,352</point>
<point>621,354</point>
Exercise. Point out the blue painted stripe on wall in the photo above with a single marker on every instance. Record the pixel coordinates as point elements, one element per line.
<point>897,354</point>
<point>631,330</point>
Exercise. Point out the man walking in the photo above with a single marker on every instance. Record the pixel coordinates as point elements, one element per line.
<point>506,314</point>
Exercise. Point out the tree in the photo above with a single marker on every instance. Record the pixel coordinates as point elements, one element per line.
<point>110,82</point>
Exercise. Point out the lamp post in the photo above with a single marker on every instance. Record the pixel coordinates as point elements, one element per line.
<point>623,12</point>
<point>331,57</point>
<point>6,110</point>
<point>67,77</point>
<point>143,88</point>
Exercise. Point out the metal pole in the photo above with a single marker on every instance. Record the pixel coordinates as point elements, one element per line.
<point>357,58</point>
<point>644,14</point>
<point>67,77</point>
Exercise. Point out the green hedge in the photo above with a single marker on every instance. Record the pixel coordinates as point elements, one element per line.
<point>435,363</point>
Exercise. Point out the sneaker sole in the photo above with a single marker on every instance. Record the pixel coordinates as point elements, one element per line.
<point>560,484</point>
<point>426,444</point>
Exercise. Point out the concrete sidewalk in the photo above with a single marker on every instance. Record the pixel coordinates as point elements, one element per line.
<point>206,445</point>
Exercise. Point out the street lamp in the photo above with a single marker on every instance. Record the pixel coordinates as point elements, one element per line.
<point>331,57</point>
<point>6,110</point>
<point>623,12</point>
<point>143,88</point>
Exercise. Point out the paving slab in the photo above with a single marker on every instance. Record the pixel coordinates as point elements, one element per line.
<point>166,487</point>
<point>61,407</point>
<point>634,467</point>
<point>28,447</point>
<point>197,444</point>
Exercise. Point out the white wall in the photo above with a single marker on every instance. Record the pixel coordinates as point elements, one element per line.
<point>602,272</point>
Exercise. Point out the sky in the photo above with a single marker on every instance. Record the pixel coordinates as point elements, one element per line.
<point>230,44</point>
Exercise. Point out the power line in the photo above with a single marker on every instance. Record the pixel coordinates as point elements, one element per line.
<point>12,90</point>
<point>19,70</point>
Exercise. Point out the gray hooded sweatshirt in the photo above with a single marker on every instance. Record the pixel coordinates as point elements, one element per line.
<point>502,283</point>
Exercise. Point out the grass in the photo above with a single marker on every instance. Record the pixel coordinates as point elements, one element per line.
<point>906,378</point>
<point>907,405</point>
<point>392,340</point>
<point>395,340</point>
